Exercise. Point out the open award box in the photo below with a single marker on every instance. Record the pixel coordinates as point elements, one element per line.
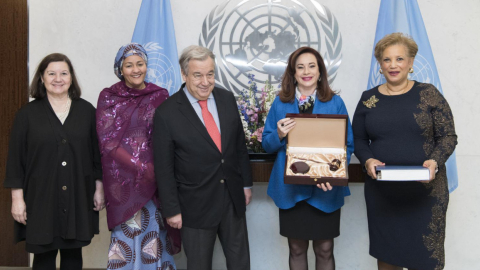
<point>317,150</point>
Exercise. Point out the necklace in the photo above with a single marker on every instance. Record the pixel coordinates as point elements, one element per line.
<point>402,91</point>
<point>63,115</point>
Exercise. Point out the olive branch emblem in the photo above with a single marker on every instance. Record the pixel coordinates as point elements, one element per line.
<point>207,37</point>
<point>152,46</point>
<point>333,40</point>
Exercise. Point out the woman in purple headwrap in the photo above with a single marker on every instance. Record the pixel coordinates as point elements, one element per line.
<point>140,237</point>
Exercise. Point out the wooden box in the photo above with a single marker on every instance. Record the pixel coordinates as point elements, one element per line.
<point>317,150</point>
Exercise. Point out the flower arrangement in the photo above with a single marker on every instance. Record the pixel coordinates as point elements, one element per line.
<point>253,106</point>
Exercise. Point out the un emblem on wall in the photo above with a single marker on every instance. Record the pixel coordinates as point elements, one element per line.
<point>258,36</point>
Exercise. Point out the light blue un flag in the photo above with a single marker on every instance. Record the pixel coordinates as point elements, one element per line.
<point>155,31</point>
<point>404,16</point>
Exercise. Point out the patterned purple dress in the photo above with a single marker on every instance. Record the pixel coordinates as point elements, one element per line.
<point>141,239</point>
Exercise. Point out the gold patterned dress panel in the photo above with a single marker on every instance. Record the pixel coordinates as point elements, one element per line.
<point>436,121</point>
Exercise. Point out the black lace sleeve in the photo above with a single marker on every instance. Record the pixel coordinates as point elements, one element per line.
<point>442,138</point>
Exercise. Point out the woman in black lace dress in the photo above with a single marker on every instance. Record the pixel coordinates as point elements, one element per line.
<point>404,122</point>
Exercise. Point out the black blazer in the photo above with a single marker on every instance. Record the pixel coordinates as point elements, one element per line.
<point>192,175</point>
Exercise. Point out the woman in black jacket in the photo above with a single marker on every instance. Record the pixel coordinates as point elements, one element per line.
<point>54,169</point>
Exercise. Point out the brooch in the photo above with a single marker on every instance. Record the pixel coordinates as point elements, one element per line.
<point>371,102</point>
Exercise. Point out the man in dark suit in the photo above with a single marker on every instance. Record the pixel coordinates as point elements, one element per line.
<point>201,165</point>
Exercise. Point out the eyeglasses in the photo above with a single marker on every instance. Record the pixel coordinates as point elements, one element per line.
<point>303,168</point>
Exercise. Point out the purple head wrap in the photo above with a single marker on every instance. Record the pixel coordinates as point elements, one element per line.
<point>126,51</point>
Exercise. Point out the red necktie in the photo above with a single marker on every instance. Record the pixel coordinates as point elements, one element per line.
<point>210,124</point>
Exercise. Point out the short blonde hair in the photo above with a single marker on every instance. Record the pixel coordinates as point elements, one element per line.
<point>396,39</point>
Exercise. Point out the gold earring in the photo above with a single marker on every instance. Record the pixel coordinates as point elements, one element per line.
<point>381,71</point>
<point>410,70</point>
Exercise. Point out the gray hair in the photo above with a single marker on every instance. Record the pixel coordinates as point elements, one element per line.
<point>194,52</point>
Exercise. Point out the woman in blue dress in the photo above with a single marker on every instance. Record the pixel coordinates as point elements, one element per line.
<point>306,212</point>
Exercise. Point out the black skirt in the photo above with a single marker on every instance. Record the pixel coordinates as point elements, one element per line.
<point>306,222</point>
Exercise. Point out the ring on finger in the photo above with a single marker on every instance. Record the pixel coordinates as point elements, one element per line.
<point>282,124</point>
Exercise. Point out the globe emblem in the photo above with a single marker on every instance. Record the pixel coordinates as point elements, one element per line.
<point>262,38</point>
<point>423,71</point>
<point>257,37</point>
<point>160,69</point>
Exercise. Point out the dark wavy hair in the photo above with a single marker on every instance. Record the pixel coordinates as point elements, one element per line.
<point>287,93</point>
<point>37,89</point>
